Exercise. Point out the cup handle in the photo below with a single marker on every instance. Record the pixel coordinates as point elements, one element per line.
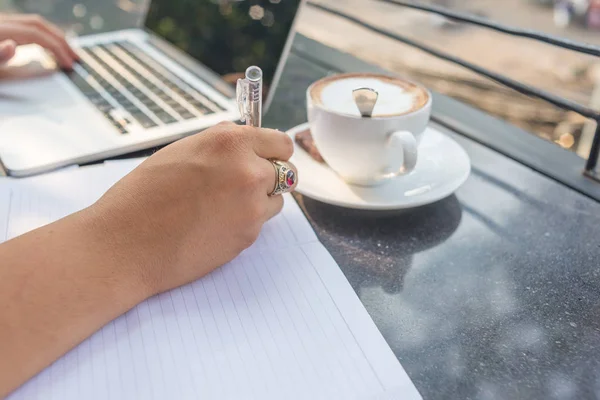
<point>402,142</point>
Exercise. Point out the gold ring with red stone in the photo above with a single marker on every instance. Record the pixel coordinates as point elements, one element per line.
<point>285,177</point>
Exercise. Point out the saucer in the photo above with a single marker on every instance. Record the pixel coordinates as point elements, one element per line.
<point>442,167</point>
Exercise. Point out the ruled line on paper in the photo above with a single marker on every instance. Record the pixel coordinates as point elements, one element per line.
<point>305,276</point>
<point>340,313</point>
<point>5,210</point>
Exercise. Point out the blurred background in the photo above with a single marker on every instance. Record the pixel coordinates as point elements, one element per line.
<point>562,72</point>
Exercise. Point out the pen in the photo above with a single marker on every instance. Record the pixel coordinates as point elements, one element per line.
<point>249,96</point>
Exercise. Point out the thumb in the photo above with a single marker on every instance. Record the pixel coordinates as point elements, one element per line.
<point>7,50</point>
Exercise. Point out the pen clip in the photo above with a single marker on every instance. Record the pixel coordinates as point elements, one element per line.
<point>243,98</point>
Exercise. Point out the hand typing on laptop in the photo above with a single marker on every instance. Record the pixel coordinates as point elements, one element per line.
<point>133,89</point>
<point>19,29</point>
<point>188,209</point>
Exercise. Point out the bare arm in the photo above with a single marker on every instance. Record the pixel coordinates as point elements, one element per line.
<point>58,285</point>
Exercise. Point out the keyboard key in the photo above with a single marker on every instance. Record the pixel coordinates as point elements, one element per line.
<point>187,115</point>
<point>165,117</point>
<point>146,100</point>
<point>179,109</point>
<point>119,97</point>
<point>105,107</point>
<point>143,120</point>
<point>155,108</point>
<point>170,101</point>
<point>81,83</point>
<point>129,106</point>
<point>200,107</point>
<point>95,98</point>
<point>152,106</point>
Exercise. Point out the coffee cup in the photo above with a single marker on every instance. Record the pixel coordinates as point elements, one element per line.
<point>368,147</point>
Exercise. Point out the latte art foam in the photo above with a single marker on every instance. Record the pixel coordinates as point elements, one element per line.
<point>396,96</point>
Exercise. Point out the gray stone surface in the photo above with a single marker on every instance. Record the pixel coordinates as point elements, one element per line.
<point>492,293</point>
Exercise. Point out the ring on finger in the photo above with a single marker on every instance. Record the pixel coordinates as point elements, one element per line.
<point>285,177</point>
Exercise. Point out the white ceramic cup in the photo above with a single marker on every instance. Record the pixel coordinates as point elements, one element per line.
<point>367,151</point>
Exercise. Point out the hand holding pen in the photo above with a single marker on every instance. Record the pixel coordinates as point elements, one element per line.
<point>249,98</point>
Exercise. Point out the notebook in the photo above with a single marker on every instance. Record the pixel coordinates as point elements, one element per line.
<point>279,322</point>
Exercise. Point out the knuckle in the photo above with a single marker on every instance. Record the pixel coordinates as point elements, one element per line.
<point>252,178</point>
<point>260,175</point>
<point>244,131</point>
<point>248,131</point>
<point>255,213</point>
<point>249,237</point>
<point>223,124</point>
<point>36,19</point>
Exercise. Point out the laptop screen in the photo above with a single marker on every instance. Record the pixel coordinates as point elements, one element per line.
<point>226,36</point>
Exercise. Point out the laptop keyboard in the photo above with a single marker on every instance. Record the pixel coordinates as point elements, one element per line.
<point>131,89</point>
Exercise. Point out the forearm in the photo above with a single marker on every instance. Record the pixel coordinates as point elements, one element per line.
<point>58,285</point>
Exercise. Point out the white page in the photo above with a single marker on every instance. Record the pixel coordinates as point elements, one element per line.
<point>279,322</point>
<point>5,193</point>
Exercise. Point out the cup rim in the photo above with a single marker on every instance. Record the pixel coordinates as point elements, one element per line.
<point>373,74</point>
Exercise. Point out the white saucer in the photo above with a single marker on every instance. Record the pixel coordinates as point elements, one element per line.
<point>443,166</point>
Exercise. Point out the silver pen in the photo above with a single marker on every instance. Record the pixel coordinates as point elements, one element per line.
<point>249,96</point>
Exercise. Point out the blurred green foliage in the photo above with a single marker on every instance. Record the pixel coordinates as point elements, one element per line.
<point>226,35</point>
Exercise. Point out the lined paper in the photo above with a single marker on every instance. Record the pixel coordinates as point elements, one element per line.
<point>5,194</point>
<point>279,322</point>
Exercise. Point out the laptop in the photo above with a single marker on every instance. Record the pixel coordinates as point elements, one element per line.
<point>140,88</point>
